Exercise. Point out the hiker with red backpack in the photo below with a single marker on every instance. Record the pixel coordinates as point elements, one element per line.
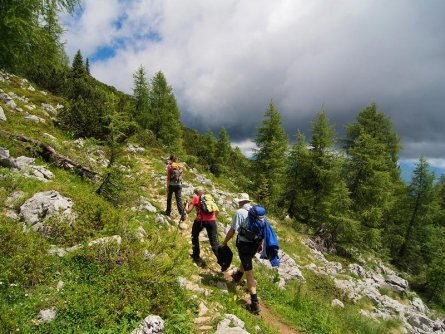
<point>206,213</point>
<point>175,175</point>
<point>249,241</point>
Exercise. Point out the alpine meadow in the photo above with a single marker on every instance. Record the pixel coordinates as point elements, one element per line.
<point>88,246</point>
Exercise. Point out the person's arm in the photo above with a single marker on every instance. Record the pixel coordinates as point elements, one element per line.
<point>168,176</point>
<point>190,206</point>
<point>229,236</point>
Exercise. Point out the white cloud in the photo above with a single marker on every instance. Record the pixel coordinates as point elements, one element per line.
<point>226,59</point>
<point>247,147</point>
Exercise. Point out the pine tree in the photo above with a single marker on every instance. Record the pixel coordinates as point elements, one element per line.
<point>87,66</point>
<point>223,150</point>
<point>77,68</point>
<point>373,176</point>
<point>164,114</point>
<point>31,35</point>
<point>422,210</point>
<point>270,156</point>
<point>140,98</point>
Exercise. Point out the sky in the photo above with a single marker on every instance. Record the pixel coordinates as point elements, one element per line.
<point>227,60</point>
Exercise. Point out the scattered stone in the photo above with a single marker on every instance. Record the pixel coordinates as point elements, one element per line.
<point>5,160</point>
<point>159,219</point>
<point>47,315</point>
<point>152,324</point>
<point>202,309</point>
<point>28,167</point>
<point>132,148</point>
<point>144,204</point>
<point>192,286</point>
<point>79,142</point>
<point>51,137</point>
<point>2,114</point>
<point>31,88</point>
<point>183,226</point>
<point>59,285</point>
<point>224,327</point>
<point>222,286</point>
<point>357,270</point>
<point>106,240</point>
<point>50,108</point>
<point>55,250</point>
<point>13,198</point>
<point>337,303</point>
<point>35,119</point>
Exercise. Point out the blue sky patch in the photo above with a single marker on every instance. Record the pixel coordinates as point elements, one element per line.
<point>102,53</point>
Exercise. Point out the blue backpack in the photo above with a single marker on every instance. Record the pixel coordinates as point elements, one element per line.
<point>253,227</point>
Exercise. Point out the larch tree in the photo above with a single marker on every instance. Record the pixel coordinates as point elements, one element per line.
<point>270,157</point>
<point>422,211</point>
<point>141,91</point>
<point>372,147</point>
<point>164,113</point>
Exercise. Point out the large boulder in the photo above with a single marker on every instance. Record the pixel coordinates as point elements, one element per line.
<point>44,205</point>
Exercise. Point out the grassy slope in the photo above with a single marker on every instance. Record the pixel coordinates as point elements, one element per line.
<point>111,290</point>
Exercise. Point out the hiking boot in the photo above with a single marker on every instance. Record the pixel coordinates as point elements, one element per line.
<point>254,307</point>
<point>200,262</point>
<point>183,217</point>
<point>236,276</point>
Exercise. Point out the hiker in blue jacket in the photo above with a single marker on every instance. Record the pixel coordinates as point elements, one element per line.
<point>246,249</point>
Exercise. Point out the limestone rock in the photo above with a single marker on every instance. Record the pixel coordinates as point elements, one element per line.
<point>47,315</point>
<point>35,119</point>
<point>6,160</point>
<point>224,327</point>
<point>27,165</point>
<point>45,205</point>
<point>48,107</point>
<point>2,114</point>
<point>152,324</point>
<point>337,303</point>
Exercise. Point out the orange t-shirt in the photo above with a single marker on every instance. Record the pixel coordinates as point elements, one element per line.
<point>200,215</point>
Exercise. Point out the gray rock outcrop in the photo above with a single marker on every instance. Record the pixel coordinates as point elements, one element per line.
<point>44,205</point>
<point>28,167</point>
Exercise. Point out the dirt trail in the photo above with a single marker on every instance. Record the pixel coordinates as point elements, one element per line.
<point>268,316</point>
<point>274,321</point>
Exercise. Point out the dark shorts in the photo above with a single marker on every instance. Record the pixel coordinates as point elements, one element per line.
<point>247,251</point>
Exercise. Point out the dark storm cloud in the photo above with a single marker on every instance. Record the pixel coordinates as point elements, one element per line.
<point>227,59</point>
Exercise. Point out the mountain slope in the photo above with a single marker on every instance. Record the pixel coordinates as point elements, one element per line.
<point>75,262</point>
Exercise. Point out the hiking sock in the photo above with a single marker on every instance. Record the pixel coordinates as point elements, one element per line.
<point>253,298</point>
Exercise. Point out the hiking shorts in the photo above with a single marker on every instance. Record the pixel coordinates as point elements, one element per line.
<point>247,251</point>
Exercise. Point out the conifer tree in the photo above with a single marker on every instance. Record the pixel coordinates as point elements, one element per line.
<point>78,69</point>
<point>87,66</point>
<point>223,150</point>
<point>30,34</point>
<point>422,210</point>
<point>140,98</point>
<point>373,176</point>
<point>272,143</point>
<point>164,118</point>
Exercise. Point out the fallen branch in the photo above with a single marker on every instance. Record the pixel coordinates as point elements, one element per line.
<point>49,154</point>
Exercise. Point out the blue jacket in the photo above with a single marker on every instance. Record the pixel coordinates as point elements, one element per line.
<point>270,245</point>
